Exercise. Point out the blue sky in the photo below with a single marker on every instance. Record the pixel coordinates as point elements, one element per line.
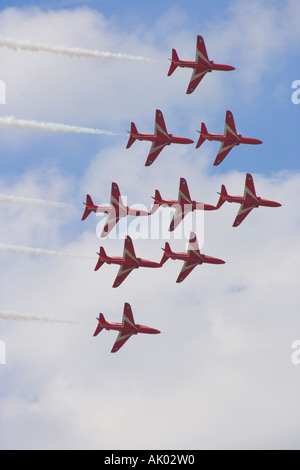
<point>143,11</point>
<point>224,354</point>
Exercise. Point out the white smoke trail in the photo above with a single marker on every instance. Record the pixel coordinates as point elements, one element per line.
<point>69,51</point>
<point>24,250</point>
<point>11,121</point>
<point>11,199</point>
<point>11,316</point>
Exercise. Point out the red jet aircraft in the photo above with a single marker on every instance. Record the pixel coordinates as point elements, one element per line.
<point>248,202</point>
<point>183,205</point>
<point>200,67</point>
<point>229,139</point>
<point>191,259</point>
<point>126,329</point>
<point>115,211</point>
<point>159,139</point>
<point>127,263</point>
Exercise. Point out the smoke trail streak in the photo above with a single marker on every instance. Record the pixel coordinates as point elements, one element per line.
<point>11,316</point>
<point>69,51</point>
<point>11,199</point>
<point>11,121</point>
<point>24,250</point>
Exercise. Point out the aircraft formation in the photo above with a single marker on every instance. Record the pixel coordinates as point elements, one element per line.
<point>183,205</point>
<point>160,138</point>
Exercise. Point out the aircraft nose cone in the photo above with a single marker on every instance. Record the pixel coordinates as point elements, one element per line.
<point>155,332</point>
<point>152,331</point>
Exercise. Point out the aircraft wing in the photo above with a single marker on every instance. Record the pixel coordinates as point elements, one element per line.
<point>193,250</point>
<point>245,209</point>
<point>124,271</point>
<point>128,323</point>
<point>202,60</point>
<point>184,205</point>
<point>155,150</point>
<point>195,258</point>
<point>187,268</point>
<point>128,320</point>
<point>224,150</point>
<point>117,210</point>
<point>249,191</point>
<point>129,255</point>
<point>231,138</point>
<point>250,198</point>
<point>160,129</point>
<point>196,78</point>
<point>111,220</point>
<point>163,138</point>
<point>201,54</point>
<point>116,200</point>
<point>180,213</point>
<point>130,260</point>
<point>229,128</point>
<point>184,194</point>
<point>123,336</point>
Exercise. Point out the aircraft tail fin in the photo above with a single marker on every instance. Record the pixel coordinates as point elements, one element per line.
<point>175,58</point>
<point>89,206</point>
<point>202,133</point>
<point>157,198</point>
<point>157,202</point>
<point>131,140</point>
<point>223,194</point>
<point>101,260</point>
<point>167,253</point>
<point>100,326</point>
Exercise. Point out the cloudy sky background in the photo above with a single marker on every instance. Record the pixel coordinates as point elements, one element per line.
<point>220,375</point>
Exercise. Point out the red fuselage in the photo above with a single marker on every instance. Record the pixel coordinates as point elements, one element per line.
<point>103,209</point>
<point>197,259</point>
<point>203,68</point>
<point>239,140</point>
<point>251,201</point>
<point>170,140</point>
<point>120,327</point>
<point>121,211</point>
<point>141,263</point>
<point>185,207</point>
